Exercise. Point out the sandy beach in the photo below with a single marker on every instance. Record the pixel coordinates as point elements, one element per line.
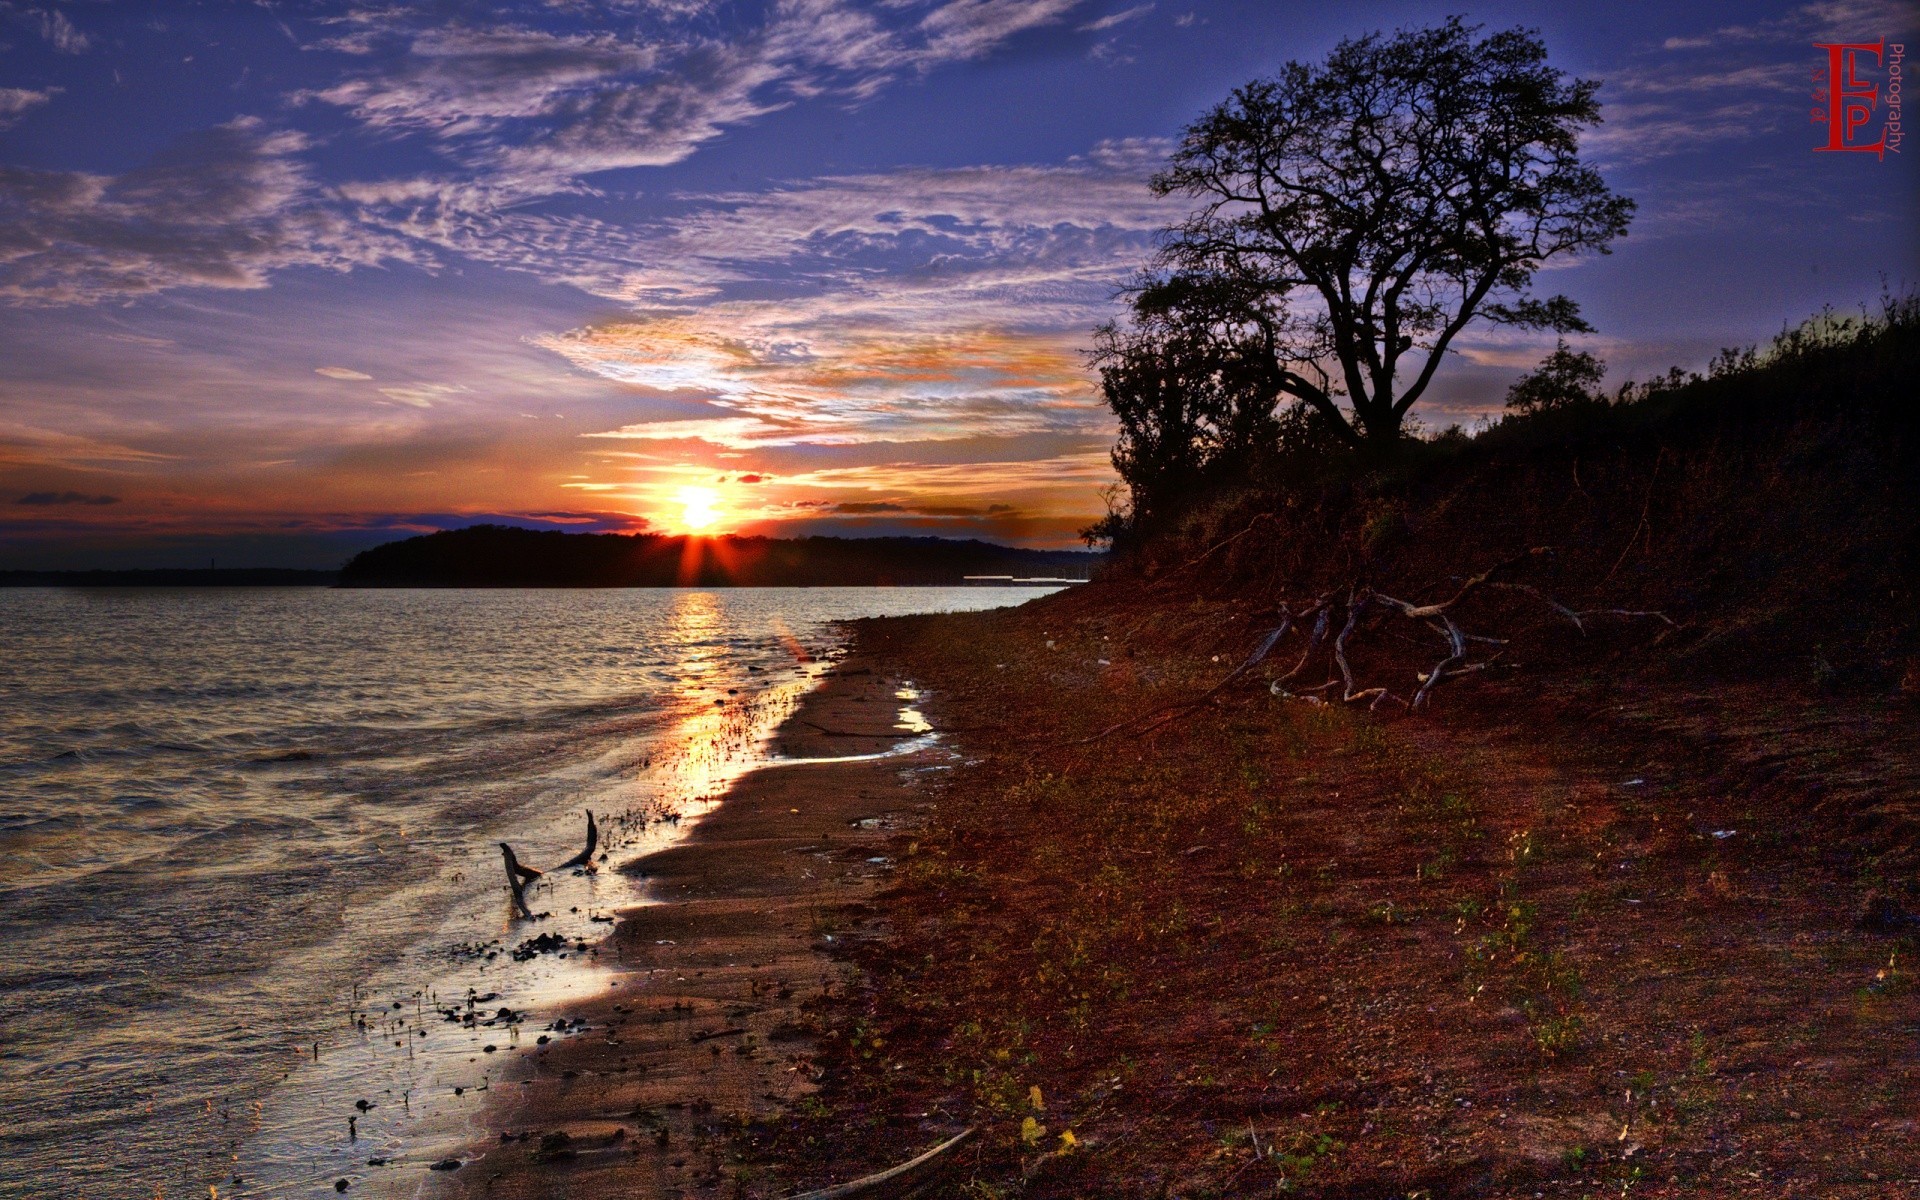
<point>704,1026</point>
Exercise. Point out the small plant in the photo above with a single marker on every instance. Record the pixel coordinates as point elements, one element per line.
<point>1558,1035</point>
<point>1699,1064</point>
<point>1301,1155</point>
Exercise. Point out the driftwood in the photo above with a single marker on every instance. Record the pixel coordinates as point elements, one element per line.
<point>518,876</point>
<point>1437,616</point>
<point>585,857</point>
<point>913,1171</point>
<point>707,1035</point>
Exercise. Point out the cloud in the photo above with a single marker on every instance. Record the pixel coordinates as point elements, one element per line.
<point>837,388</point>
<point>930,247</point>
<point>422,395</point>
<point>1730,84</point>
<point>16,102</point>
<point>1124,15</point>
<point>220,208</point>
<point>1822,20</point>
<point>65,498</point>
<point>455,81</point>
<point>915,306</point>
<point>56,28</point>
<point>535,109</point>
<point>341,373</point>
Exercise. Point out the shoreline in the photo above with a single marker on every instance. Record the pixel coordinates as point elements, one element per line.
<point>703,1027</point>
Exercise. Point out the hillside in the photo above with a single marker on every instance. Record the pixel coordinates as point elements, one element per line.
<point>501,556</point>
<point>1771,511</point>
<point>1630,908</point>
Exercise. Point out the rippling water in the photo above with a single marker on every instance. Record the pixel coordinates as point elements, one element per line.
<point>236,823</point>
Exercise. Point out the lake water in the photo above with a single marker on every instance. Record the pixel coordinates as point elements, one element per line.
<point>250,851</point>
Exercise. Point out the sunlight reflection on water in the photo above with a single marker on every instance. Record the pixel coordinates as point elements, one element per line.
<point>239,822</point>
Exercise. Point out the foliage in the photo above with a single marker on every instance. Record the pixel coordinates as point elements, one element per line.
<point>1356,216</point>
<point>1564,378</point>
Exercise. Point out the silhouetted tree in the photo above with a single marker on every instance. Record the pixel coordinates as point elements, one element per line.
<point>1191,409</point>
<point>1564,378</point>
<point>1359,214</point>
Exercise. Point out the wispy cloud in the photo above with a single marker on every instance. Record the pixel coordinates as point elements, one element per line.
<point>1120,18</point>
<point>1729,84</point>
<point>423,395</point>
<point>60,31</point>
<point>809,387</point>
<point>219,208</point>
<point>17,102</point>
<point>536,108</point>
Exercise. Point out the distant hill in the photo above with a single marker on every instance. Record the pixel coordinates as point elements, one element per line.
<point>502,556</point>
<point>172,577</point>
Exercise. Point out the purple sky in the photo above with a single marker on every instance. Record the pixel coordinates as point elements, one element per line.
<point>286,279</point>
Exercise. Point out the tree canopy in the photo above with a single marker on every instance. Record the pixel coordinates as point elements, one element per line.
<point>1564,378</point>
<point>1355,217</point>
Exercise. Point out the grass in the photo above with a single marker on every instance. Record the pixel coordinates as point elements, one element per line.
<point>1282,948</point>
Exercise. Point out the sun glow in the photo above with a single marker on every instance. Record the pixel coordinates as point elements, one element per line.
<point>700,509</point>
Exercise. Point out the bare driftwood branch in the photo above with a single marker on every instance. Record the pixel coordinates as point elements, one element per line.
<point>585,857</point>
<point>518,876</point>
<point>1356,603</point>
<point>911,1171</point>
<point>1632,612</point>
<point>1545,599</point>
<point>1320,624</point>
<point>1456,652</point>
<point>1437,616</point>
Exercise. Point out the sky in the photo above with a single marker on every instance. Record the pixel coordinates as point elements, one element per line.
<point>281,280</point>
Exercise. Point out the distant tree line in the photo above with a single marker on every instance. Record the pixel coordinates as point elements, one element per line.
<point>505,556</point>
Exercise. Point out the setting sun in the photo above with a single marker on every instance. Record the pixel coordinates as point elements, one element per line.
<point>700,509</point>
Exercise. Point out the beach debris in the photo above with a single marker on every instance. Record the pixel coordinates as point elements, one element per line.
<point>446,1164</point>
<point>912,1170</point>
<point>554,1147</point>
<point>517,878</point>
<point>585,857</point>
<point>707,1035</point>
<point>546,943</point>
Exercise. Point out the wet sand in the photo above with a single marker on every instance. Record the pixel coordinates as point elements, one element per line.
<point>702,1024</point>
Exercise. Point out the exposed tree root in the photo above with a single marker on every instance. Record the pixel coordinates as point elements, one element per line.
<point>1437,616</point>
